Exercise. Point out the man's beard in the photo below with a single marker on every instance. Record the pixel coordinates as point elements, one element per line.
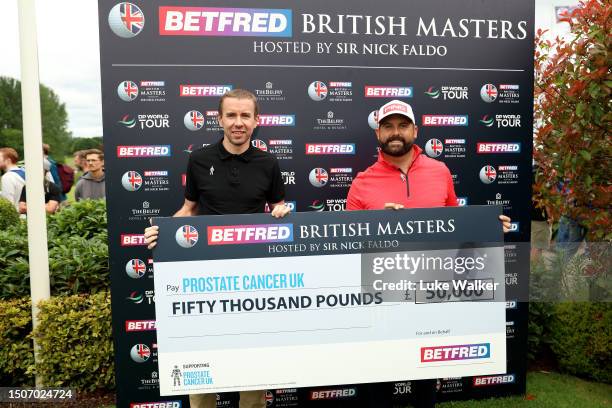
<point>395,152</point>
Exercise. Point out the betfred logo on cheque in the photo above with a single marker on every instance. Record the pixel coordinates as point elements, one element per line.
<point>249,234</point>
<point>494,380</point>
<point>498,148</point>
<point>276,120</point>
<point>161,404</point>
<point>388,91</point>
<point>330,148</point>
<point>445,120</point>
<point>204,90</point>
<point>333,394</point>
<point>140,325</point>
<point>225,22</point>
<point>455,352</point>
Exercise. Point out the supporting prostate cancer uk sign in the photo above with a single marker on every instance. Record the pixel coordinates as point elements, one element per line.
<point>249,302</point>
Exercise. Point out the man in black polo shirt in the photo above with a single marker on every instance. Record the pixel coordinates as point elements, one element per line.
<point>231,177</point>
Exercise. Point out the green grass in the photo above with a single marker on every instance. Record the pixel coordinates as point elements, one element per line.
<point>549,391</point>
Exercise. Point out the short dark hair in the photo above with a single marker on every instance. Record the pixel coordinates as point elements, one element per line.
<point>46,149</point>
<point>239,94</point>
<point>95,151</point>
<point>10,153</point>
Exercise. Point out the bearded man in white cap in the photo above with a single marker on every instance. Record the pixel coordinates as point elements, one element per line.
<point>403,177</point>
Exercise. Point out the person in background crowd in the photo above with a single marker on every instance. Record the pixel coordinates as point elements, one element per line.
<point>91,185</point>
<point>52,194</point>
<point>403,177</point>
<point>80,161</point>
<point>53,172</point>
<point>13,179</point>
<point>231,177</point>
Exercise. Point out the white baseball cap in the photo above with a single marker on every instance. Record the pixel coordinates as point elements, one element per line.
<point>395,107</point>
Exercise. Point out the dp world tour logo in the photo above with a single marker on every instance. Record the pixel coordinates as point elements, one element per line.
<point>487,120</point>
<point>140,353</point>
<point>126,20</point>
<point>135,268</point>
<point>433,92</point>
<point>131,180</point>
<point>434,148</point>
<point>488,174</point>
<point>193,120</point>
<point>127,121</point>
<point>186,236</point>
<point>318,177</point>
<point>317,91</point>
<point>488,93</point>
<point>127,91</point>
<point>372,119</point>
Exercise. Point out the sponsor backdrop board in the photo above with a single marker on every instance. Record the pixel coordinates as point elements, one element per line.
<point>319,68</point>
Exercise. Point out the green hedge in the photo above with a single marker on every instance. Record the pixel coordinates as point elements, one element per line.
<point>78,252</point>
<point>74,335</point>
<point>8,215</point>
<point>16,354</point>
<point>581,338</point>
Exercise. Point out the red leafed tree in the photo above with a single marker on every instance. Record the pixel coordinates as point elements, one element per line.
<point>573,117</point>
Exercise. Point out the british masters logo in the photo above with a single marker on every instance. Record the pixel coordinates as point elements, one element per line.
<point>318,177</point>
<point>153,180</point>
<point>194,120</point>
<point>503,93</point>
<point>127,91</point>
<point>317,91</point>
<point>126,20</point>
<point>505,174</point>
<point>186,236</point>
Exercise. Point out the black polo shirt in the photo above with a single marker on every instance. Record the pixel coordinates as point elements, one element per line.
<point>225,183</point>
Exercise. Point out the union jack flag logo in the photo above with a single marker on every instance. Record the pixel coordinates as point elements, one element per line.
<point>131,180</point>
<point>488,174</point>
<point>317,91</point>
<point>434,148</point>
<point>136,268</point>
<point>132,17</point>
<point>127,91</point>
<point>194,120</point>
<point>269,399</point>
<point>260,144</point>
<point>318,177</point>
<point>126,20</point>
<point>187,236</point>
<point>140,353</point>
<point>488,93</point>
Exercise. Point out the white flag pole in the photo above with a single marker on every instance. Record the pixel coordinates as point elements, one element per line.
<point>32,142</point>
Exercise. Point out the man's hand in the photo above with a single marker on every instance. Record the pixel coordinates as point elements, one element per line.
<point>505,223</point>
<point>279,210</point>
<point>393,206</point>
<point>151,234</point>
